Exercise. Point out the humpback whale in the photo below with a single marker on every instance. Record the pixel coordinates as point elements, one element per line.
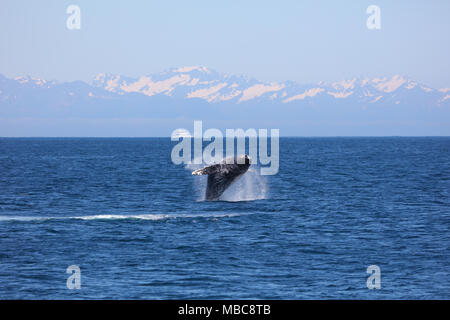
<point>222,175</point>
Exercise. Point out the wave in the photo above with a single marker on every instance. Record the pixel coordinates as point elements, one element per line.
<point>121,217</point>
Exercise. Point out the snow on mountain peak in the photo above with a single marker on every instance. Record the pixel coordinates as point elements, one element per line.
<point>308,93</point>
<point>193,68</point>
<point>258,90</point>
<point>199,82</point>
<point>203,83</point>
<point>390,85</point>
<point>31,80</point>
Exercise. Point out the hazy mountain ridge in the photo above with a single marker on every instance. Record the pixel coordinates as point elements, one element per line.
<point>213,87</point>
<point>209,85</point>
<point>115,105</point>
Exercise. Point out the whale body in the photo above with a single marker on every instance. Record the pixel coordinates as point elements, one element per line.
<point>223,174</point>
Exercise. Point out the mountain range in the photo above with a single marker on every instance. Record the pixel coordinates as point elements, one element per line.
<point>394,105</point>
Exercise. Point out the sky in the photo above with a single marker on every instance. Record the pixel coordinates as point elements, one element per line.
<point>304,41</point>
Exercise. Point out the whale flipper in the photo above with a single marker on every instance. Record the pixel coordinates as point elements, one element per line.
<point>222,175</point>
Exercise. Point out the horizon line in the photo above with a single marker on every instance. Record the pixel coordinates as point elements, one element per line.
<point>169,137</point>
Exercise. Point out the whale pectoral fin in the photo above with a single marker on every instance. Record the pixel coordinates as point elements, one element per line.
<point>207,170</point>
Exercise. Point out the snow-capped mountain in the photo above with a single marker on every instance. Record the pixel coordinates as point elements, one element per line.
<point>213,87</point>
<point>394,105</point>
<point>202,83</point>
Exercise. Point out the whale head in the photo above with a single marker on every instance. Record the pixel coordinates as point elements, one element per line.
<point>244,159</point>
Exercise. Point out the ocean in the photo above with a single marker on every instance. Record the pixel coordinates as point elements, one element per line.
<point>136,225</point>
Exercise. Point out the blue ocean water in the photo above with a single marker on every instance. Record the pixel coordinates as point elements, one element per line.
<point>136,226</point>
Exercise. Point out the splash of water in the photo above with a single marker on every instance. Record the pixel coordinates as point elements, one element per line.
<point>250,186</point>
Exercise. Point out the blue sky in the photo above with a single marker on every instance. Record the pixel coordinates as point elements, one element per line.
<point>304,41</point>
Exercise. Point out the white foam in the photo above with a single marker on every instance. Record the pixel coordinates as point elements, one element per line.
<point>122,216</point>
<point>23,218</point>
<point>249,187</point>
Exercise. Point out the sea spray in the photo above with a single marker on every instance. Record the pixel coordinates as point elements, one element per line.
<point>200,182</point>
<point>250,186</point>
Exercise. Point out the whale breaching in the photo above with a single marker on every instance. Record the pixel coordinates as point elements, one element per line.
<point>223,174</point>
